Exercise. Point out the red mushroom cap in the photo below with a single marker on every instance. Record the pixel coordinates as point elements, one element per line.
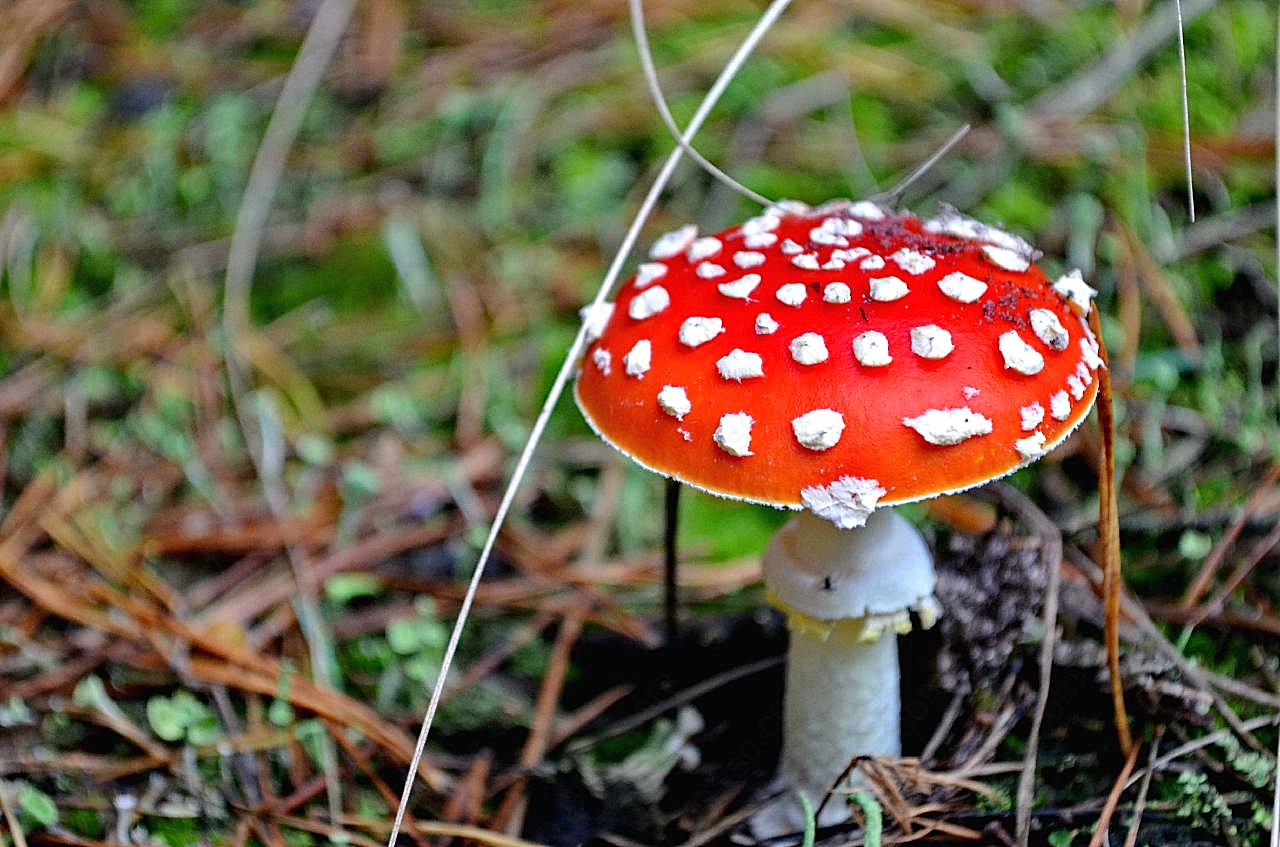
<point>840,358</point>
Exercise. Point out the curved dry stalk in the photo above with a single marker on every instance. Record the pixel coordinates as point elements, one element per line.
<point>894,194</point>
<point>641,34</point>
<point>763,25</point>
<point>1113,798</point>
<point>1109,540</point>
<point>1186,113</point>
<point>1140,805</point>
<point>266,450</point>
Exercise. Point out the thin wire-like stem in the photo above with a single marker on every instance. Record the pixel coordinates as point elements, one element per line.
<point>641,33</point>
<point>318,46</point>
<point>670,563</point>
<point>1186,113</point>
<point>894,194</point>
<point>317,50</point>
<point>856,168</point>
<point>766,22</point>
<point>1144,786</point>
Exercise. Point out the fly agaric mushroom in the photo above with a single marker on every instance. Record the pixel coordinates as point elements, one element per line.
<point>836,360</point>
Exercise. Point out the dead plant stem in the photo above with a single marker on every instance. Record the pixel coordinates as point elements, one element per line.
<point>567,368</point>
<point>1109,541</point>
<point>1113,798</point>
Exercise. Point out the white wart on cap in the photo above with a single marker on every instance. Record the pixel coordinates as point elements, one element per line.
<point>771,361</point>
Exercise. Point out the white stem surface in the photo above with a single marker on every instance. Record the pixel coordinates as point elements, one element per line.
<point>848,593</point>
<point>842,701</point>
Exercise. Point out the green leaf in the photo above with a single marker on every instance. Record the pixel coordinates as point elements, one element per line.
<point>404,635</point>
<point>315,450</point>
<point>36,808</point>
<point>280,713</point>
<point>1194,545</point>
<point>421,668</point>
<point>311,734</point>
<point>90,693</point>
<point>189,708</point>
<point>342,588</point>
<point>166,720</point>
<point>359,482</point>
<point>205,729</point>
<point>14,712</point>
<point>176,832</point>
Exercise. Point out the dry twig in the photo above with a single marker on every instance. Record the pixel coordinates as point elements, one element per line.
<point>1113,798</point>
<point>1109,540</point>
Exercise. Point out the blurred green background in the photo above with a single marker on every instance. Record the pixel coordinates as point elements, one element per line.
<point>466,169</point>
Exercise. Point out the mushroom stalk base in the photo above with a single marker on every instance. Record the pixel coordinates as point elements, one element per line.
<point>842,701</point>
<point>847,594</point>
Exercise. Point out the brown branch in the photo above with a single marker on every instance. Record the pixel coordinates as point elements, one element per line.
<point>1209,568</point>
<point>1140,805</point>
<point>1113,798</point>
<point>1218,601</point>
<point>510,815</point>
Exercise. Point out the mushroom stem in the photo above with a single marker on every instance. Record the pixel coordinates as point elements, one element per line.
<point>847,594</point>
<point>670,582</point>
<point>841,701</point>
